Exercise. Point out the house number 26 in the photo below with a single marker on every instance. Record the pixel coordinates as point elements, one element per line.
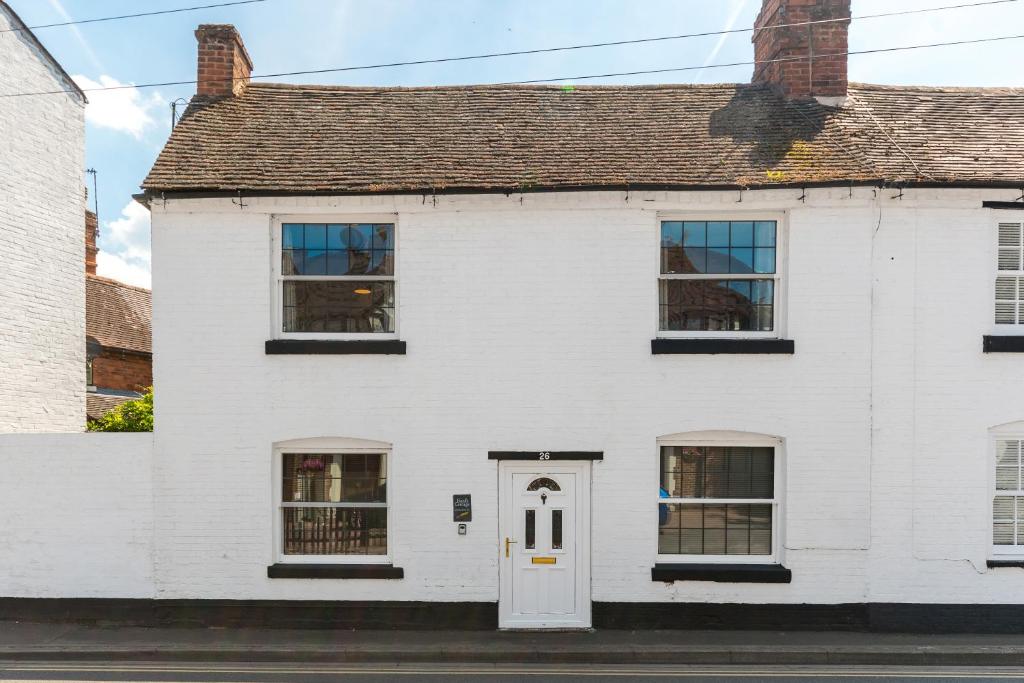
<point>544,455</point>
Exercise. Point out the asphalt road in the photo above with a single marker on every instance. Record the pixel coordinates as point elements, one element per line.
<point>378,673</point>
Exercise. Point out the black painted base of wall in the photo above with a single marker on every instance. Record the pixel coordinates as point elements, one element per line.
<point>322,614</point>
<point>874,617</point>
<point>313,614</point>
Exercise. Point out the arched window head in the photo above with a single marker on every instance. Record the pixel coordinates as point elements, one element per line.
<point>543,483</point>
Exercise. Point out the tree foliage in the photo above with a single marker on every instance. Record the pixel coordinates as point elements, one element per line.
<point>131,416</point>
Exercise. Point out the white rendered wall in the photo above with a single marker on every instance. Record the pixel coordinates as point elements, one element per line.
<point>76,515</point>
<point>42,245</point>
<point>529,320</point>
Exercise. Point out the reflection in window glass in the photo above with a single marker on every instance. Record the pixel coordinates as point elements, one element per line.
<point>1008,503</point>
<point>556,529</point>
<point>690,474</point>
<point>315,255</point>
<point>690,249</point>
<point>334,503</point>
<point>531,529</point>
<point>339,306</point>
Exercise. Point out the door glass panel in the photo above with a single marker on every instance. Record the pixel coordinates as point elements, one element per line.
<point>556,529</point>
<point>531,531</point>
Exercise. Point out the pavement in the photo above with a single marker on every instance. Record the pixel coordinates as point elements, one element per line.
<point>24,641</point>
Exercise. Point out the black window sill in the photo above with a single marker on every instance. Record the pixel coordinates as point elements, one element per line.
<point>335,346</point>
<point>997,343</point>
<point>334,571</point>
<point>994,564</point>
<point>722,573</point>
<point>711,346</point>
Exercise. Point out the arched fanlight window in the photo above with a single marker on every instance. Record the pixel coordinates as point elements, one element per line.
<point>543,483</point>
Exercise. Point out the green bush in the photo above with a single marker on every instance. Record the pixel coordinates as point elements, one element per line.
<point>131,416</point>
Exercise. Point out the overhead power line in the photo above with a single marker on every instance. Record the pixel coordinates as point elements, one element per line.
<point>133,16</point>
<point>591,45</point>
<point>767,61</point>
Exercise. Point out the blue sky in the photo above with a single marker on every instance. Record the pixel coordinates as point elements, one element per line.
<point>126,128</point>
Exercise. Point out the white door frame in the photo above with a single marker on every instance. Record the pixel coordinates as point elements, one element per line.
<point>507,508</point>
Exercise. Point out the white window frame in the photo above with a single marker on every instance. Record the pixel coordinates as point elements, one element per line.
<point>1006,328</point>
<point>727,439</point>
<point>1012,432</point>
<point>327,445</point>
<point>781,251</point>
<point>278,279</point>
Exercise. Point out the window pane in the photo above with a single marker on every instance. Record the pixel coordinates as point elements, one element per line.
<point>718,234</point>
<point>695,234</point>
<point>291,236</point>
<point>764,260</point>
<point>339,306</point>
<point>671,234</point>
<point>316,236</point>
<point>1008,465</point>
<point>531,529</point>
<point>315,262</point>
<point>764,234</point>
<point>741,260</point>
<point>335,531</point>
<point>334,478</point>
<point>742,234</point>
<point>337,236</point>
<point>556,529</point>
<point>383,236</point>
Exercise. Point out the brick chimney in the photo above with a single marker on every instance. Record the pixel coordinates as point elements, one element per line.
<point>224,65</point>
<point>91,228</point>
<point>806,73</point>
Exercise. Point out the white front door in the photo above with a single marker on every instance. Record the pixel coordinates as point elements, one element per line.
<point>545,545</point>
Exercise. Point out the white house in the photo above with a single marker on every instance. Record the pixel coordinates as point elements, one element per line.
<point>549,357</point>
<point>42,204</point>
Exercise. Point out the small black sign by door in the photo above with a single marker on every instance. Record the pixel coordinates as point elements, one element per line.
<point>462,508</point>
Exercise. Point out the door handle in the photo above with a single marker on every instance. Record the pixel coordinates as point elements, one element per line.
<point>508,542</point>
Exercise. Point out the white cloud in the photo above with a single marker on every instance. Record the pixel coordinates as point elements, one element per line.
<point>125,247</point>
<point>114,267</point>
<point>124,110</point>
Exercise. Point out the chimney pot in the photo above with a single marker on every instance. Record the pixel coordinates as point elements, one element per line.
<point>803,61</point>
<point>223,64</point>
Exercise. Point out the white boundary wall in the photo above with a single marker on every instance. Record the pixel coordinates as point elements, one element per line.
<point>76,515</point>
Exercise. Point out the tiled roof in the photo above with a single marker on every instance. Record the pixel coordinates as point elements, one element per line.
<point>288,138</point>
<point>117,315</point>
<point>97,405</point>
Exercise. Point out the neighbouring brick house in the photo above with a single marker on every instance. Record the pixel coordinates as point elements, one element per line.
<point>119,354</point>
<point>42,288</point>
<point>675,356</point>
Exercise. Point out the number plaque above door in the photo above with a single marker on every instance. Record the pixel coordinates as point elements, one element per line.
<point>545,455</point>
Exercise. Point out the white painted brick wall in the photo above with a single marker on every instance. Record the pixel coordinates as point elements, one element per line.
<point>529,322</point>
<point>76,515</point>
<point>42,278</point>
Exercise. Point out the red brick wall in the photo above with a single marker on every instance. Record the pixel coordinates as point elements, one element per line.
<point>90,243</point>
<point>125,372</point>
<point>223,66</point>
<point>808,74</point>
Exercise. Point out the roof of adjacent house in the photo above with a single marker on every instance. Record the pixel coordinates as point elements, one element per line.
<point>275,138</point>
<point>19,27</point>
<point>97,405</point>
<point>117,315</point>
